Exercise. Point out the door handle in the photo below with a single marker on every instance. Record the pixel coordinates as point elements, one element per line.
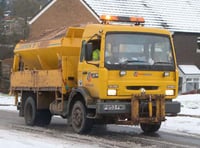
<point>84,72</point>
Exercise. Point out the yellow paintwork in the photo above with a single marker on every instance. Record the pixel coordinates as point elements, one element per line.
<point>64,53</point>
<point>55,59</point>
<point>45,54</point>
<point>98,87</point>
<point>36,79</point>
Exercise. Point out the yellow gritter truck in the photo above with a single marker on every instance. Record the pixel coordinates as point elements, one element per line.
<point>131,81</point>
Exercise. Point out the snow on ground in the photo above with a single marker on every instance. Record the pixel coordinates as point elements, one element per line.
<point>190,105</point>
<point>30,140</point>
<point>7,102</point>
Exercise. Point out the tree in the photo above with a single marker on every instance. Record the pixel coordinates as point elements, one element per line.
<point>43,2</point>
<point>25,8</point>
<point>2,7</point>
<point>21,10</point>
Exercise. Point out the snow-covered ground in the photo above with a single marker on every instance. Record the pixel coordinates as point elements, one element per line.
<point>17,139</point>
<point>190,105</point>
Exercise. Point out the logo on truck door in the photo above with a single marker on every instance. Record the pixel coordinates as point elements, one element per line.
<point>91,76</point>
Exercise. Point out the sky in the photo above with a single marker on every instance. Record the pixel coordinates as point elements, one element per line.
<point>190,105</point>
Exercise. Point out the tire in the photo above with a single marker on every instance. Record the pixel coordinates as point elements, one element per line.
<point>33,116</point>
<point>30,111</point>
<point>80,123</point>
<point>22,103</point>
<point>43,117</point>
<point>150,128</point>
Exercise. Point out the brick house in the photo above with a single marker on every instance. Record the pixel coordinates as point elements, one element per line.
<point>180,17</point>
<point>57,15</point>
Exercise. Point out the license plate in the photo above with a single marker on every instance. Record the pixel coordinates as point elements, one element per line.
<point>114,107</point>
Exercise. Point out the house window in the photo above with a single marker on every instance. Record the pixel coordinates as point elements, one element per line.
<point>192,84</point>
<point>198,45</point>
<point>189,79</point>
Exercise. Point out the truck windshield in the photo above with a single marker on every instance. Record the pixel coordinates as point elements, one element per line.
<point>138,51</point>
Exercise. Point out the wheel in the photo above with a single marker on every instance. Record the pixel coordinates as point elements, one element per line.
<point>22,103</point>
<point>80,123</point>
<point>150,128</point>
<point>30,111</point>
<point>33,116</point>
<point>43,117</point>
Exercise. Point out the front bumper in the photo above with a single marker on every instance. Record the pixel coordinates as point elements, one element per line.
<point>171,107</point>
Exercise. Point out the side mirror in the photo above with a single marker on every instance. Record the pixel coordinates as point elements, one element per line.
<point>88,52</point>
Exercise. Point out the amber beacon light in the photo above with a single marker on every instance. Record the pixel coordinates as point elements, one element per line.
<point>108,18</point>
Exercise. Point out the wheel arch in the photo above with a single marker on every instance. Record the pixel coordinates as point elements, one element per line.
<point>80,94</point>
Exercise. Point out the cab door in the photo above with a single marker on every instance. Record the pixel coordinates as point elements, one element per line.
<point>88,70</point>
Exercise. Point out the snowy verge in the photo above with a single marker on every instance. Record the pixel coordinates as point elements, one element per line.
<point>190,104</point>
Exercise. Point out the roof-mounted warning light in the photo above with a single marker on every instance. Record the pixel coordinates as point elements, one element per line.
<point>107,18</point>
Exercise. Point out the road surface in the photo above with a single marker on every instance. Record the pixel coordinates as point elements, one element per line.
<point>105,136</point>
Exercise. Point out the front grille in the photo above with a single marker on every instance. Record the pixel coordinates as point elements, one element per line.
<point>139,87</point>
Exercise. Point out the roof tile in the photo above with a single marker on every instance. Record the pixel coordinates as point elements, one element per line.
<point>177,16</point>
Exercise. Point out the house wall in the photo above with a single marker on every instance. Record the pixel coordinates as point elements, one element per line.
<point>186,48</point>
<point>62,13</point>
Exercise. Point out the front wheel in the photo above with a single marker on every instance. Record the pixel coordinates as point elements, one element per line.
<point>150,128</point>
<point>80,123</point>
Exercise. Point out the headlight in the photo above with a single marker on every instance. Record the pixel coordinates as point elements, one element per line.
<point>169,92</point>
<point>112,92</point>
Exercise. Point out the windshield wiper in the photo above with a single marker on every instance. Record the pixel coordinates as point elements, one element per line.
<point>162,63</point>
<point>135,61</point>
